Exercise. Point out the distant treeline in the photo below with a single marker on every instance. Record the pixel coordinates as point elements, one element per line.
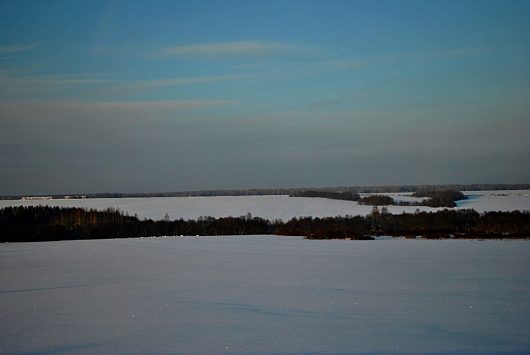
<point>44,223</point>
<point>439,198</point>
<point>346,195</point>
<point>458,187</point>
<point>435,198</point>
<point>377,200</point>
<point>295,191</point>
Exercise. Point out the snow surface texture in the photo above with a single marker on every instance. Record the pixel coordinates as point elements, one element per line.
<point>265,294</point>
<point>273,207</point>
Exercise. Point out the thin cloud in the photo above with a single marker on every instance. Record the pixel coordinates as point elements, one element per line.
<point>329,102</point>
<point>115,106</point>
<point>183,81</point>
<point>135,87</point>
<point>18,70</point>
<point>17,48</point>
<point>246,49</point>
<point>24,86</point>
<point>189,81</point>
<point>13,85</point>
<point>438,54</point>
<point>345,64</point>
<point>158,105</point>
<point>10,78</point>
<point>336,101</point>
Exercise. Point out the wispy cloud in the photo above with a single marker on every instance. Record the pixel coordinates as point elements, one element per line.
<point>330,102</point>
<point>121,105</point>
<point>16,86</point>
<point>70,110</point>
<point>11,77</point>
<point>134,87</point>
<point>155,105</point>
<point>18,70</point>
<point>50,80</point>
<point>346,100</point>
<point>17,48</point>
<point>439,54</point>
<point>247,49</point>
<point>123,88</point>
<point>345,64</point>
<point>20,85</point>
<point>188,81</point>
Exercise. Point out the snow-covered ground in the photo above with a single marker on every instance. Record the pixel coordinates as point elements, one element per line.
<point>265,294</point>
<point>273,207</point>
<point>481,201</point>
<point>510,200</point>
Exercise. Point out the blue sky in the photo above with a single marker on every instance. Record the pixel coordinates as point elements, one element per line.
<point>172,95</point>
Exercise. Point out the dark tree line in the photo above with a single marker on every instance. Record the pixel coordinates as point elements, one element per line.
<point>440,198</point>
<point>294,191</point>
<point>435,198</point>
<point>344,195</point>
<point>43,223</point>
<point>377,200</point>
<point>441,224</point>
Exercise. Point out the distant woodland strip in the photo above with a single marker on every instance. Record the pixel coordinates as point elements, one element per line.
<point>299,191</point>
<point>44,223</point>
<point>433,198</point>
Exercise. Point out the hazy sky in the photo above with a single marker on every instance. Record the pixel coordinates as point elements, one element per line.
<point>131,96</point>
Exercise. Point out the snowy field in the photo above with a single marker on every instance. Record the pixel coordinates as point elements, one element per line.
<point>482,201</point>
<point>265,294</point>
<point>274,207</point>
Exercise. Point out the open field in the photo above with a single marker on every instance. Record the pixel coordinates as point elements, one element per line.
<point>274,207</point>
<point>265,294</point>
